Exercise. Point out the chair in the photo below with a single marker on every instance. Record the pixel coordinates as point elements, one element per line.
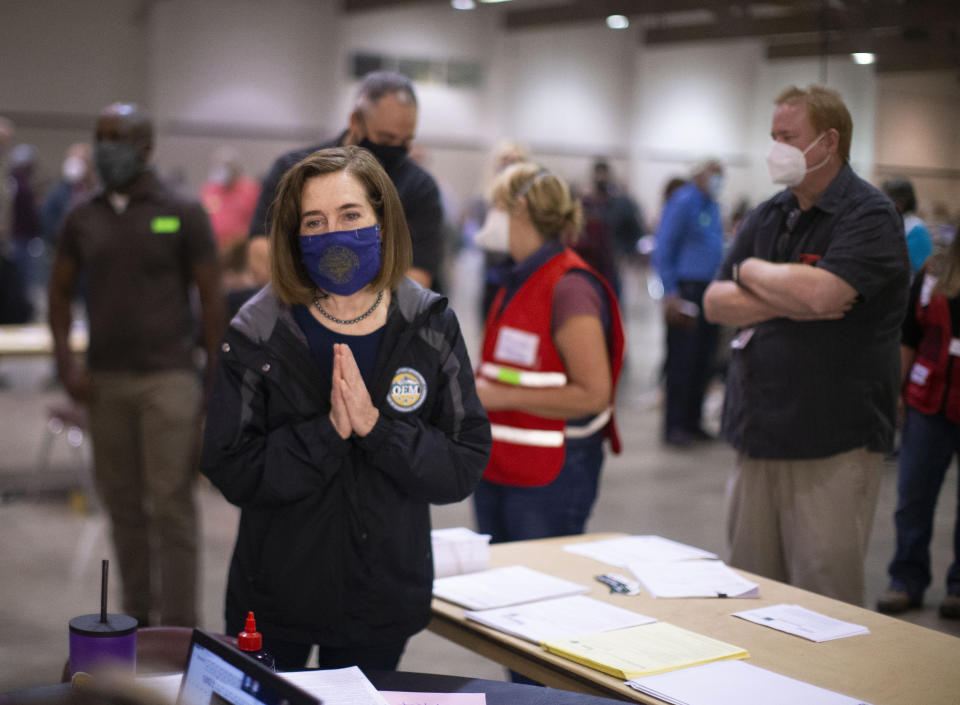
<point>69,420</point>
<point>160,650</point>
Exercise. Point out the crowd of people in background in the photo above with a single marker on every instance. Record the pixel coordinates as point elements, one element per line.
<point>815,281</point>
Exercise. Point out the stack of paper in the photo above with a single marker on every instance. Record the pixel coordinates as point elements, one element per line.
<point>645,650</point>
<point>800,621</point>
<point>337,686</point>
<point>459,550</point>
<point>693,579</point>
<point>624,550</point>
<point>500,587</point>
<point>735,683</point>
<point>559,618</point>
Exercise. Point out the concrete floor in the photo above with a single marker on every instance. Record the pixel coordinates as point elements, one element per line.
<point>50,548</point>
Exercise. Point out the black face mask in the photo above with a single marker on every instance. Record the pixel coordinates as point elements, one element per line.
<point>387,155</point>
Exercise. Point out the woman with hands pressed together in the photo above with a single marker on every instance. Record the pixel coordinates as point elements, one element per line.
<point>344,404</point>
<point>552,353</point>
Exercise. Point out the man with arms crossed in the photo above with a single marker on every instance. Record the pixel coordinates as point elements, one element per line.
<point>816,281</point>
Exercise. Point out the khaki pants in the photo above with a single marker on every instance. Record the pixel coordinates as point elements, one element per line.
<point>805,522</point>
<point>144,429</point>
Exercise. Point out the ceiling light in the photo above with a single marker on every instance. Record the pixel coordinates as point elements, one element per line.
<point>462,4</point>
<point>491,2</point>
<point>618,22</point>
<point>864,57</point>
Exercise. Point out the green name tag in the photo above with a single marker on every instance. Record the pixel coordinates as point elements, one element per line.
<point>165,224</point>
<point>509,376</point>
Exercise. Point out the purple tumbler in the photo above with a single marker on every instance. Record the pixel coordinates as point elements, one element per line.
<point>95,644</point>
<point>103,640</point>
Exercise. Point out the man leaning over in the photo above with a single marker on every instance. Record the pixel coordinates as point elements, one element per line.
<point>816,281</point>
<point>384,120</point>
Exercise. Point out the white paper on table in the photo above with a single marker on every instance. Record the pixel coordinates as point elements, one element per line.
<point>693,579</point>
<point>500,587</point>
<point>396,697</point>
<point>624,550</point>
<point>560,618</point>
<point>735,683</point>
<point>459,550</point>
<point>800,621</point>
<point>166,686</point>
<point>337,686</point>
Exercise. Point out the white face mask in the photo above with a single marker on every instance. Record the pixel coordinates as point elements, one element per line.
<point>788,165</point>
<point>715,186</point>
<point>494,235</point>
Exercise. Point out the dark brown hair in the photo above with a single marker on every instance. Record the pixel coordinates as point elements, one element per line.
<point>290,280</point>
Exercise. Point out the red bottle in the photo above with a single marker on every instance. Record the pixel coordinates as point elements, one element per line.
<point>250,642</point>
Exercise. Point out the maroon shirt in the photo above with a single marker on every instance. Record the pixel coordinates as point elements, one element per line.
<point>138,269</point>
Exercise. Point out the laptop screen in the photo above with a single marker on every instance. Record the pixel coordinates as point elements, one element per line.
<point>219,674</point>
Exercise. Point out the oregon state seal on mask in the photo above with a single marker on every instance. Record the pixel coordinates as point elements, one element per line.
<point>408,390</point>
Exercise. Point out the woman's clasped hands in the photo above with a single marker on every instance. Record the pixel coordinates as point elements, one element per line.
<point>351,410</point>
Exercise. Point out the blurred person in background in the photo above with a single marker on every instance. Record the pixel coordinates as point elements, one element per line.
<point>689,250</point>
<point>230,198</point>
<point>930,389</point>
<point>365,414</point>
<point>943,227</point>
<point>7,132</point>
<point>141,248</point>
<point>15,306</point>
<point>919,242</point>
<point>612,227</point>
<point>25,228</point>
<point>383,121</point>
<point>78,179</point>
<point>552,354</point>
<point>495,254</point>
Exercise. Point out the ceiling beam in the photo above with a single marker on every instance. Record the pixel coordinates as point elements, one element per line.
<point>363,5</point>
<point>924,13</point>
<point>587,10</point>
<point>893,53</point>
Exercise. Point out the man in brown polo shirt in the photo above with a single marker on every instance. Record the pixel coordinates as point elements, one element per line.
<point>140,248</point>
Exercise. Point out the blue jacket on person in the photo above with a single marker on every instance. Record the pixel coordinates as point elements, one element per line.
<point>689,240</point>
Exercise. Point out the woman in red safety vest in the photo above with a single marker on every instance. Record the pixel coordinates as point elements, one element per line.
<point>930,353</point>
<point>552,354</point>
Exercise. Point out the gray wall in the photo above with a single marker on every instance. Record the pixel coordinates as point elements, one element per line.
<point>270,76</point>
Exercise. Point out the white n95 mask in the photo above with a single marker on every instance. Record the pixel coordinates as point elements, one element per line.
<point>494,234</point>
<point>787,164</point>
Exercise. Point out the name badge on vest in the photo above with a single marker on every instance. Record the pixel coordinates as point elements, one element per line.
<point>516,346</point>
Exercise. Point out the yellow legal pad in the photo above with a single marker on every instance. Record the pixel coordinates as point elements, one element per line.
<point>643,650</point>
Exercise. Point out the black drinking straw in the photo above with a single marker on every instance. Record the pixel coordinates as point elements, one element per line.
<point>105,566</point>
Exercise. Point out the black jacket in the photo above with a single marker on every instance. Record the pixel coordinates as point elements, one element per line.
<point>334,538</point>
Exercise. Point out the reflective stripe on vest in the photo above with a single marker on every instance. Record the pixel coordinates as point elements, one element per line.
<point>587,430</point>
<point>522,378</point>
<point>526,436</point>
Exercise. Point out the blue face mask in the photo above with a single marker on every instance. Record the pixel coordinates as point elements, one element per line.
<point>342,262</point>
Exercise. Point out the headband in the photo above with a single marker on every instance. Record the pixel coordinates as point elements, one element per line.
<point>527,186</point>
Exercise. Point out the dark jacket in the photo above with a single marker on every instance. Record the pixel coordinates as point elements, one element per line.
<point>800,390</point>
<point>334,538</point>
